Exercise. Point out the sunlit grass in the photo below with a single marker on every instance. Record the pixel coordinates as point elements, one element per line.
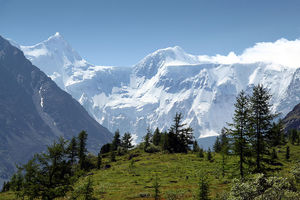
<point>178,174</point>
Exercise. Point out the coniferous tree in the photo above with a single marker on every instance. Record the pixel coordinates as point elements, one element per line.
<point>3,187</point>
<point>287,153</point>
<point>276,135</point>
<point>217,146</point>
<point>72,150</point>
<point>127,141</point>
<point>156,187</point>
<point>113,156</point>
<point>223,162</point>
<point>179,136</point>
<point>240,129</point>
<point>156,137</point>
<point>84,192</point>
<point>82,150</point>
<point>196,147</point>
<point>147,139</point>
<point>224,140</point>
<point>293,135</point>
<point>6,186</point>
<point>16,182</point>
<point>165,141</point>
<point>209,155</point>
<point>260,121</point>
<point>201,153</point>
<point>48,175</point>
<point>203,188</point>
<point>116,141</point>
<point>88,190</point>
<point>99,161</point>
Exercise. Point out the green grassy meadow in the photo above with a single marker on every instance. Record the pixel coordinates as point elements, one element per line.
<point>177,174</point>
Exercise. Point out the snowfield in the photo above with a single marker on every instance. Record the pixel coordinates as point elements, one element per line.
<point>169,80</point>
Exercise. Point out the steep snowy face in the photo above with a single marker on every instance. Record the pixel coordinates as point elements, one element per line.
<point>57,59</point>
<point>204,93</point>
<point>167,81</point>
<point>155,62</point>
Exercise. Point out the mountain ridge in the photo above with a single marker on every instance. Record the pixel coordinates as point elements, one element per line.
<point>169,80</point>
<point>35,111</point>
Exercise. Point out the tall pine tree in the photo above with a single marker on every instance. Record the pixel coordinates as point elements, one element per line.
<point>156,137</point>
<point>82,150</point>
<point>260,121</point>
<point>147,139</point>
<point>116,141</point>
<point>179,136</point>
<point>239,131</point>
<point>72,150</point>
<point>127,141</point>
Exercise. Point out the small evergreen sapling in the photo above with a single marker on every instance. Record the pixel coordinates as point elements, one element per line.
<point>217,146</point>
<point>99,161</point>
<point>209,155</point>
<point>195,146</point>
<point>203,188</point>
<point>147,139</point>
<point>287,153</point>
<point>156,187</point>
<point>113,156</point>
<point>201,153</point>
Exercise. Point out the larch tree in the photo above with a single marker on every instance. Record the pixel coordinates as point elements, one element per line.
<point>239,131</point>
<point>116,141</point>
<point>82,150</point>
<point>260,121</point>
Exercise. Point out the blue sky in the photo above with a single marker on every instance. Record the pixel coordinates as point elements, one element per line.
<point>122,32</point>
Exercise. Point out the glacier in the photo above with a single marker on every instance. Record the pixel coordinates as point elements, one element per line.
<point>170,80</point>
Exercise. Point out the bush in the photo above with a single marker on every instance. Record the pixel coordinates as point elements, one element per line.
<point>175,195</point>
<point>121,151</point>
<point>152,149</point>
<point>84,191</point>
<point>222,195</point>
<point>261,187</point>
<point>90,162</point>
<point>296,172</point>
<point>105,148</point>
<point>113,156</point>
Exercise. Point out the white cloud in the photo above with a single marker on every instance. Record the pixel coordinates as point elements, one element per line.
<point>282,52</point>
<point>35,52</point>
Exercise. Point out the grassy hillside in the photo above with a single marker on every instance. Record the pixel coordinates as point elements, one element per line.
<point>177,174</point>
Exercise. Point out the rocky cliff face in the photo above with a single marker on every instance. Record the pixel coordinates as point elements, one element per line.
<point>34,111</point>
<point>292,119</point>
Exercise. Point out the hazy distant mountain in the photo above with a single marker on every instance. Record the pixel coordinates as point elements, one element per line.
<point>34,111</point>
<point>169,80</point>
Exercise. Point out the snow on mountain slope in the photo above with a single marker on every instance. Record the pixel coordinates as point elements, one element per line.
<point>58,60</point>
<point>169,80</point>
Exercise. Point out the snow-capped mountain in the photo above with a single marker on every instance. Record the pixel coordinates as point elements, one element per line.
<point>35,112</point>
<point>169,80</point>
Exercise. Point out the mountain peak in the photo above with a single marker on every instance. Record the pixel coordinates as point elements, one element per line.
<point>169,50</point>
<point>56,36</point>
